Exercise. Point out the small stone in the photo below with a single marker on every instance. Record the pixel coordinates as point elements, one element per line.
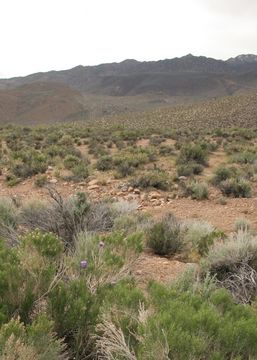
<point>93,187</point>
<point>130,189</point>
<point>154,195</point>
<point>182,178</point>
<point>82,183</point>
<point>53,181</point>
<point>136,191</point>
<point>93,182</point>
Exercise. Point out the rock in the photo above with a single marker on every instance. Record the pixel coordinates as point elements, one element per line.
<point>93,182</point>
<point>130,198</point>
<point>49,168</point>
<point>154,195</point>
<point>130,189</point>
<point>82,183</point>
<point>136,191</point>
<point>182,178</point>
<point>144,197</point>
<point>53,181</point>
<point>93,187</point>
<point>138,272</point>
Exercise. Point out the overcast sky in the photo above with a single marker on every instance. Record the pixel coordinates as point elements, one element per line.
<point>42,35</point>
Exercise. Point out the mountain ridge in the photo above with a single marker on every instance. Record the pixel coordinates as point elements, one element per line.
<point>131,85</point>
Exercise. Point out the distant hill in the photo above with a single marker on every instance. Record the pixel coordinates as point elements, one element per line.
<point>92,91</point>
<point>226,112</point>
<point>40,103</point>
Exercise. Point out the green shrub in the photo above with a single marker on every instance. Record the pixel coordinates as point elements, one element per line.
<point>104,163</point>
<point>47,244</point>
<point>80,172</point>
<point>41,180</point>
<point>213,334</point>
<point>242,224</point>
<point>9,281</point>
<point>245,157</point>
<point>223,173</point>
<point>197,190</point>
<point>156,179</point>
<point>37,341</point>
<point>200,236</point>
<point>164,237</point>
<point>223,257</point>
<point>234,265</point>
<point>29,163</point>
<point>236,187</point>
<point>166,150</point>
<point>12,180</point>
<point>192,153</point>
<point>8,213</point>
<point>70,161</point>
<point>189,169</point>
<point>124,169</point>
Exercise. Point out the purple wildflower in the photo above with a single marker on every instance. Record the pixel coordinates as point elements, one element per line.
<point>83,264</point>
<point>101,244</point>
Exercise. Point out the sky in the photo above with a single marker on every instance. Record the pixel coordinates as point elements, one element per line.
<point>43,35</point>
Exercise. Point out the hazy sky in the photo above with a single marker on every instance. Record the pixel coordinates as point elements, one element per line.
<point>41,35</point>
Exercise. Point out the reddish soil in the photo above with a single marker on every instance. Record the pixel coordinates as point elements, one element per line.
<point>149,267</point>
<point>221,216</point>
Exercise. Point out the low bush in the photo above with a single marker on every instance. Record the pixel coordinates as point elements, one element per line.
<point>164,237</point>
<point>153,179</point>
<point>242,224</point>
<point>41,180</point>
<point>104,163</point>
<point>197,190</point>
<point>46,244</point>
<point>223,173</point>
<point>80,172</point>
<point>166,150</point>
<point>214,333</point>
<point>192,153</point>
<point>70,161</point>
<point>36,341</point>
<point>8,213</point>
<point>189,169</point>
<point>200,235</point>
<point>124,169</point>
<point>245,157</point>
<point>236,187</point>
<point>234,264</point>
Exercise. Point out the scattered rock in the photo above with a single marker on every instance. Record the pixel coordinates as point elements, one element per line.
<point>93,182</point>
<point>93,187</point>
<point>154,195</point>
<point>53,181</point>
<point>136,191</point>
<point>130,189</point>
<point>182,178</point>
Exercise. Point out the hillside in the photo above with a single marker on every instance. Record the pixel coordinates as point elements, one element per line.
<point>225,112</point>
<point>87,92</point>
<point>40,103</point>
